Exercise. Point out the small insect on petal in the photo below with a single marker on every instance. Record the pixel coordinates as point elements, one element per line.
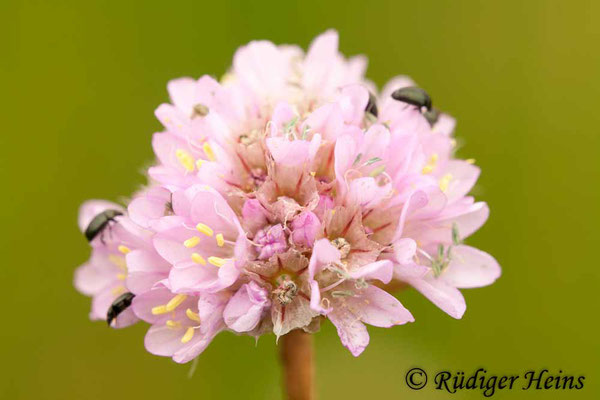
<point>100,222</point>
<point>413,95</point>
<point>119,305</point>
<point>432,116</point>
<point>371,107</point>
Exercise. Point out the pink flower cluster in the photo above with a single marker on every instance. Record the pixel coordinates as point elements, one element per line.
<point>283,195</point>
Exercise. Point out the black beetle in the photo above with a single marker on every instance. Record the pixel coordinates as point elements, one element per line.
<point>118,306</point>
<point>432,116</point>
<point>413,95</point>
<point>99,222</point>
<point>372,105</point>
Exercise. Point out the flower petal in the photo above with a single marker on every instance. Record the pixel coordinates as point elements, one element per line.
<point>471,268</point>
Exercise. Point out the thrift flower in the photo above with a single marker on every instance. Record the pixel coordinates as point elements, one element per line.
<point>286,194</point>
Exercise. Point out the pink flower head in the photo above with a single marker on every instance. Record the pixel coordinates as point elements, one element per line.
<point>286,194</point>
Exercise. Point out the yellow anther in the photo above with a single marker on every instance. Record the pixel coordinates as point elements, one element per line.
<point>470,161</point>
<point>427,169</point>
<point>118,290</point>
<point>313,173</point>
<point>189,334</point>
<point>121,277</point>
<point>332,212</point>
<point>124,249</point>
<point>216,261</point>
<point>185,159</point>
<point>199,163</point>
<point>453,142</point>
<point>191,242</point>
<point>220,240</point>
<point>208,151</point>
<point>198,259</point>
<point>159,310</point>
<point>173,324</point>
<point>431,164</point>
<point>203,228</point>
<point>175,301</point>
<point>445,181</point>
<point>192,315</point>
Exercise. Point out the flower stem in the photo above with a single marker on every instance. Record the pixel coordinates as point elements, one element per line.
<point>297,359</point>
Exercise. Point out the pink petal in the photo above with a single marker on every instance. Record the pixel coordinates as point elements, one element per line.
<point>351,331</point>
<point>262,68</point>
<point>353,102</point>
<point>149,206</point>
<point>91,278</point>
<point>323,253</point>
<point>471,268</point>
<point>320,58</point>
<point>464,176</point>
<point>377,307</point>
<point>404,250</point>
<point>380,270</point>
<point>244,310</point>
<point>162,340</point>
<point>443,295</point>
<point>305,228</point>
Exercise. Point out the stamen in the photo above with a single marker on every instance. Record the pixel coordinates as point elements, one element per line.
<point>445,181</point>
<point>192,315</point>
<point>199,163</point>
<point>377,171</point>
<point>189,334</point>
<point>198,259</point>
<point>124,249</point>
<point>159,310</point>
<point>191,242</point>
<point>342,293</point>
<point>216,261</point>
<point>431,164</point>
<point>121,277</point>
<point>185,159</point>
<point>220,240</point>
<point>470,161</point>
<point>175,301</point>
<point>173,324</point>
<point>203,228</point>
<point>208,151</point>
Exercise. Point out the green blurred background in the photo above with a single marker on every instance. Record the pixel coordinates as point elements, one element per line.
<point>80,81</point>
